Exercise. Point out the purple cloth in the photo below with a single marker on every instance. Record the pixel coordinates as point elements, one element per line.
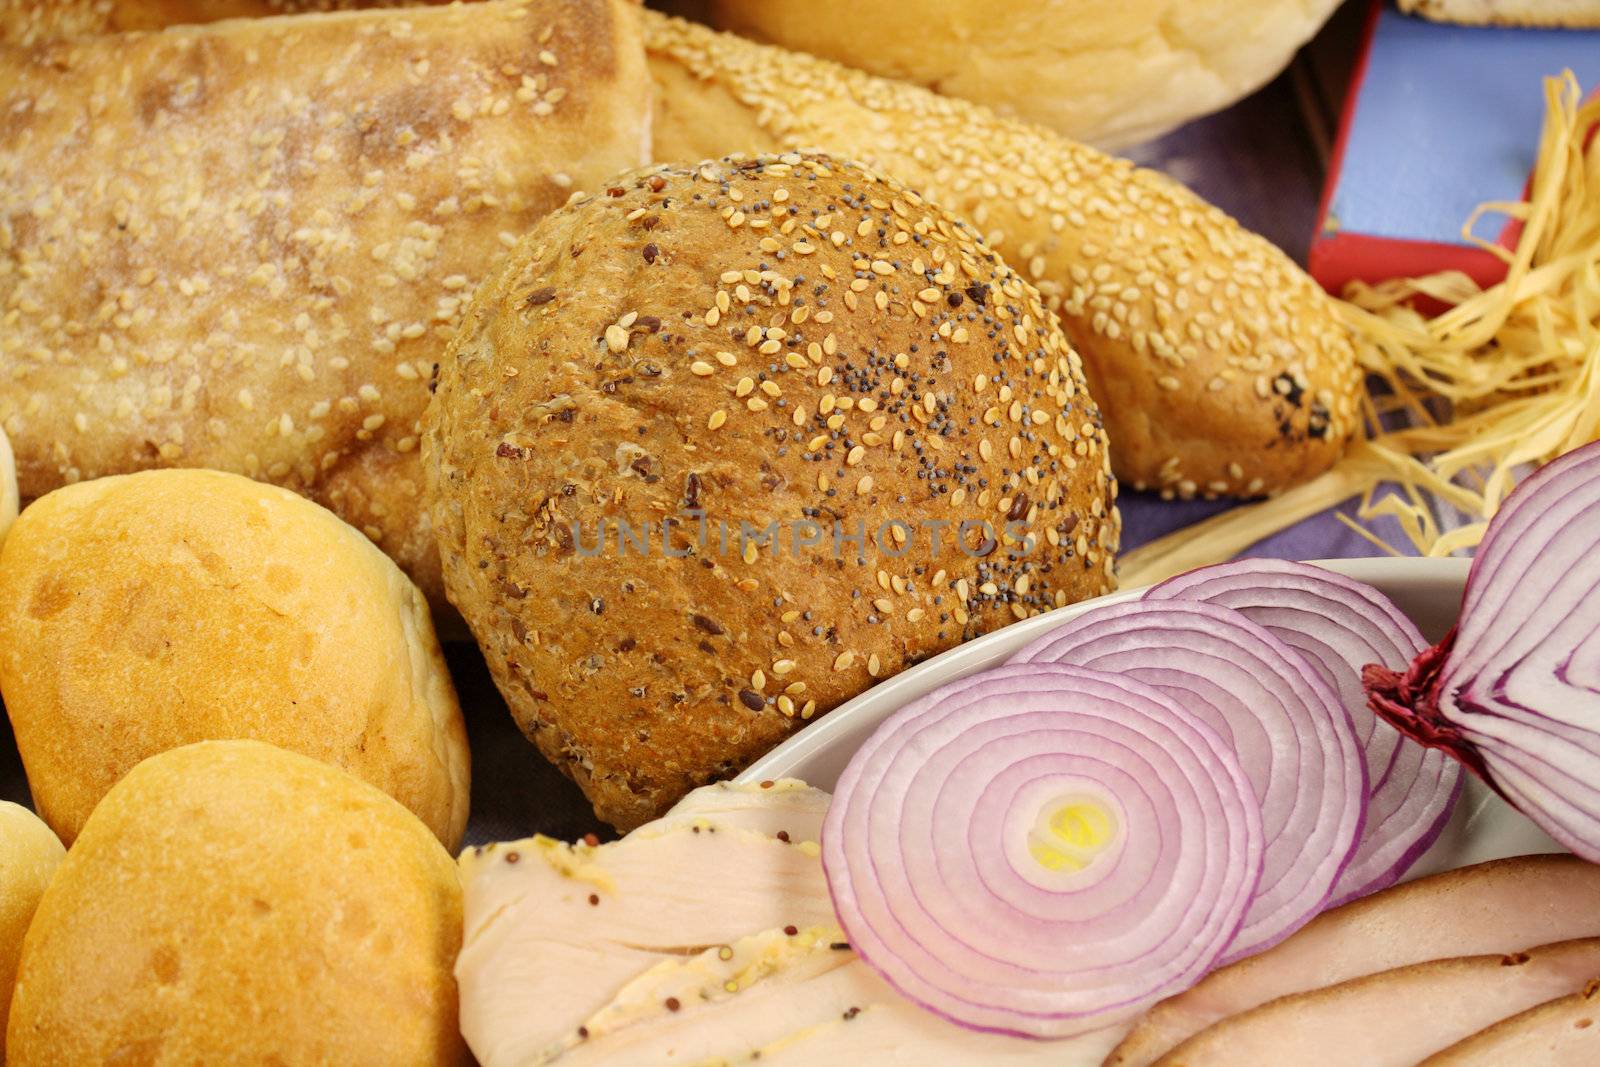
<point>1146,517</point>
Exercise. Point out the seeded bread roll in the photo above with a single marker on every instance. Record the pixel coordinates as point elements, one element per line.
<point>1221,367</point>
<point>28,22</point>
<point>29,856</point>
<point>765,340</point>
<point>243,246</point>
<point>1111,74</point>
<point>147,611</point>
<point>233,903</point>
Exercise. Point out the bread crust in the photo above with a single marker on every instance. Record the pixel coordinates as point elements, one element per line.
<point>231,902</point>
<point>1222,369</point>
<point>9,498</point>
<point>148,611</point>
<point>703,336</point>
<point>29,856</point>
<point>30,22</point>
<point>1110,74</point>
<point>1570,14</point>
<point>244,246</point>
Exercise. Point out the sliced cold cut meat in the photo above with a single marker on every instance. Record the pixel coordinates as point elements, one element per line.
<point>1494,907</point>
<point>1394,1018</point>
<point>706,936</point>
<point>1564,1032</point>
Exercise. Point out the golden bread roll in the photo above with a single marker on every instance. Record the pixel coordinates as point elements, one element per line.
<point>774,342</point>
<point>29,855</point>
<point>28,22</point>
<point>9,499</point>
<point>1112,74</point>
<point>1220,366</point>
<point>230,902</point>
<point>151,610</point>
<point>244,246</point>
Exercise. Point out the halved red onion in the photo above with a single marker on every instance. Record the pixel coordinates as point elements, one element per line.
<point>1292,735</point>
<point>1514,690</point>
<point>1340,625</point>
<point>1042,850</point>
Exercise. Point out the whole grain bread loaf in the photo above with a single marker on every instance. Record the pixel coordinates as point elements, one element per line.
<point>752,343</point>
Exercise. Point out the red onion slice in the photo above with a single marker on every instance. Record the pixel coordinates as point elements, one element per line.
<point>1042,850</point>
<point>1514,690</point>
<point>1293,737</point>
<point>1339,626</point>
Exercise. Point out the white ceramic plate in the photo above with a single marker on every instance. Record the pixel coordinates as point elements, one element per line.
<point>1429,590</point>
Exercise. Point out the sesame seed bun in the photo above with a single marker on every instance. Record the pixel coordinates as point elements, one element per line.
<point>767,340</point>
<point>29,856</point>
<point>230,902</point>
<point>244,246</point>
<point>1222,368</point>
<point>1110,74</point>
<point>152,610</point>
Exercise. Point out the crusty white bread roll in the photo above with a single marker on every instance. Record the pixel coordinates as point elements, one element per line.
<point>233,903</point>
<point>244,245</point>
<point>150,610</point>
<point>1569,13</point>
<point>772,342</point>
<point>1111,74</point>
<point>29,856</point>
<point>1221,368</point>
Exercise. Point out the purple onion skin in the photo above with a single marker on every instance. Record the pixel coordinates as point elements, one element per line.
<point>1408,700</point>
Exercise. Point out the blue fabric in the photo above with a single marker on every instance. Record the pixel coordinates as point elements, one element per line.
<point>1447,118</point>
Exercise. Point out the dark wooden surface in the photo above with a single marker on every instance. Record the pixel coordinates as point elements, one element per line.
<point>1262,161</point>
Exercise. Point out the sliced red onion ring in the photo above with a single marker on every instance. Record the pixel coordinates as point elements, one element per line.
<point>1293,737</point>
<point>1339,626</point>
<point>1042,850</point>
<point>1514,690</point>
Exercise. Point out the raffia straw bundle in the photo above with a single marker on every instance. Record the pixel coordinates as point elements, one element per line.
<point>1505,377</point>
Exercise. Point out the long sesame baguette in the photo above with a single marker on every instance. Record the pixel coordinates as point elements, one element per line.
<point>1220,366</point>
<point>244,246</point>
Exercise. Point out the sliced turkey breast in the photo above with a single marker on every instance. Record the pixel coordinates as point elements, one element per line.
<point>1394,1018</point>
<point>705,937</point>
<point>1491,908</point>
<point>1564,1032</point>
